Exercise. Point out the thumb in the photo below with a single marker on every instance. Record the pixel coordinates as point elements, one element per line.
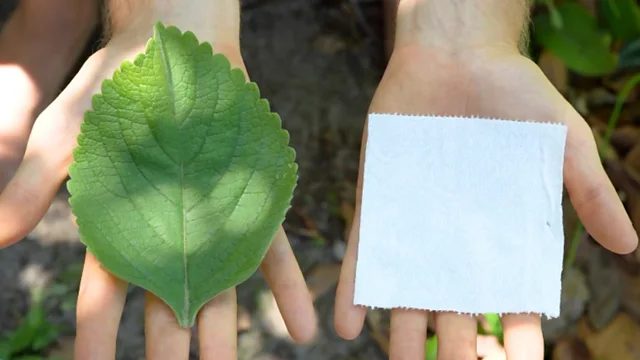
<point>592,194</point>
<point>30,192</point>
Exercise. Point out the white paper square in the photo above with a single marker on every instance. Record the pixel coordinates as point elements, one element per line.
<point>461,214</point>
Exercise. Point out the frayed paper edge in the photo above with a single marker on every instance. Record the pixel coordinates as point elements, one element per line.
<point>547,316</point>
<point>474,117</point>
<point>501,314</point>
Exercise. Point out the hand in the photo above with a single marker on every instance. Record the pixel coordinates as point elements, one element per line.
<point>102,295</point>
<point>487,82</point>
<point>39,44</point>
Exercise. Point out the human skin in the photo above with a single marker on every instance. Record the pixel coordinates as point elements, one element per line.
<point>39,44</point>
<point>462,57</point>
<point>49,152</point>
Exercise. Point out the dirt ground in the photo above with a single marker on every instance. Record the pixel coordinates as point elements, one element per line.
<point>318,63</point>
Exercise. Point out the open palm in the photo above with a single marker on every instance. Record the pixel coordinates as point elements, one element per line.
<point>102,296</point>
<point>491,83</point>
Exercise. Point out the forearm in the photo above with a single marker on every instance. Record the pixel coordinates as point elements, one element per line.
<point>458,25</point>
<point>214,21</point>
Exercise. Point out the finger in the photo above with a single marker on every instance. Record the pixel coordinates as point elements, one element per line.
<point>283,275</point>
<point>26,199</point>
<point>349,318</point>
<point>496,356</point>
<point>523,337</point>
<point>592,194</point>
<point>17,92</point>
<point>20,96</point>
<point>217,327</point>
<point>101,300</point>
<point>408,334</point>
<point>164,337</point>
<point>457,334</point>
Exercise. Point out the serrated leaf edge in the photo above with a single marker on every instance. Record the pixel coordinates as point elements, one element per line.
<point>248,86</point>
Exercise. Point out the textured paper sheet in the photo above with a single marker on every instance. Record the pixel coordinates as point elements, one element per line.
<point>461,214</point>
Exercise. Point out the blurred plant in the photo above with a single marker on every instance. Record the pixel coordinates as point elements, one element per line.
<point>588,44</point>
<point>34,335</point>
<point>431,352</point>
<point>64,288</point>
<point>493,327</point>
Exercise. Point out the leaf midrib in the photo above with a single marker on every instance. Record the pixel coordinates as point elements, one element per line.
<point>172,96</point>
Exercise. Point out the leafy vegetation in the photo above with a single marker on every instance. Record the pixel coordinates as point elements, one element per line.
<point>32,336</point>
<point>590,45</point>
<point>579,42</point>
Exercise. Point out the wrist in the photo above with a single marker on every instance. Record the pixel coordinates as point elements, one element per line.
<point>461,26</point>
<point>217,22</point>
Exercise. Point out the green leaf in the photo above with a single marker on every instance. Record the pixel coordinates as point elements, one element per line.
<point>182,174</point>
<point>45,336</point>
<point>623,17</point>
<point>630,55</point>
<point>495,326</point>
<point>431,350</point>
<point>579,43</point>
<point>5,349</point>
<point>26,332</point>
